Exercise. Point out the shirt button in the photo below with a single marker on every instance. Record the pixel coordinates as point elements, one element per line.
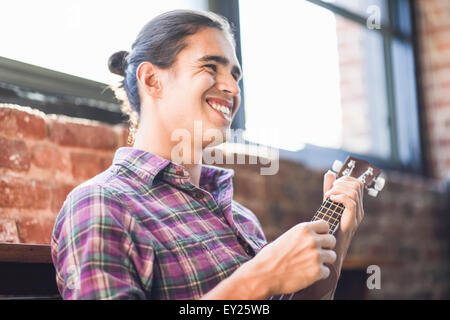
<point>245,245</point>
<point>198,196</point>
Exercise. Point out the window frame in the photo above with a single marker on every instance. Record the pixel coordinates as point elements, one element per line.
<point>57,92</point>
<point>406,125</point>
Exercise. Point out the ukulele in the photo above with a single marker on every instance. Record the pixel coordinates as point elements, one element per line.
<point>331,211</point>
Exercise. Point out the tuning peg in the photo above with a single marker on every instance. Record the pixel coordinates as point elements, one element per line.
<point>372,192</point>
<point>379,183</point>
<point>337,166</point>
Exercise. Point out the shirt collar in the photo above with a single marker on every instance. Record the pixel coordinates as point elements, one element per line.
<point>213,178</point>
<point>147,166</point>
<point>143,164</point>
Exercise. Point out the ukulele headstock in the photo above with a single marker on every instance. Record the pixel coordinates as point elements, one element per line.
<point>361,170</point>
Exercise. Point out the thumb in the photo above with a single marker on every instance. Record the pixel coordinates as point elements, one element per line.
<point>328,181</point>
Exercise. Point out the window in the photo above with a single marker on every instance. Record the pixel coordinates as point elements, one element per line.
<point>334,77</point>
<point>54,53</point>
<point>77,37</point>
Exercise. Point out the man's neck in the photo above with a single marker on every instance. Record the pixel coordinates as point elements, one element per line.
<point>192,164</point>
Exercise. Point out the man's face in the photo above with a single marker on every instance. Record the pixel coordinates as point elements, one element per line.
<point>202,85</point>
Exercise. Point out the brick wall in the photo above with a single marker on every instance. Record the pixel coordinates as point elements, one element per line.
<point>42,158</point>
<point>434,39</point>
<point>354,98</point>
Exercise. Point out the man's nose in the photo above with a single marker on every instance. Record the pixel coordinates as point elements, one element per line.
<point>227,83</point>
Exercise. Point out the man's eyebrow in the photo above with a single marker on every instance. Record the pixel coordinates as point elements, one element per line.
<point>223,61</point>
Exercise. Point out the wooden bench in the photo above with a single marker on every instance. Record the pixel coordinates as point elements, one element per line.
<point>27,272</point>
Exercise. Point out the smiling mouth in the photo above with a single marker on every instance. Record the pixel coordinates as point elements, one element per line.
<point>223,110</point>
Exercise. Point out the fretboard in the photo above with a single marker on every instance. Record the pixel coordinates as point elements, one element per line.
<point>331,212</point>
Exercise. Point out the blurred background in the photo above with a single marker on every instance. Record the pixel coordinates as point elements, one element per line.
<point>321,80</point>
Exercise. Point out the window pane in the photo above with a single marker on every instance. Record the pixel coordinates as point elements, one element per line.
<point>312,77</point>
<point>77,37</point>
<point>365,117</point>
<point>406,103</point>
<point>364,8</point>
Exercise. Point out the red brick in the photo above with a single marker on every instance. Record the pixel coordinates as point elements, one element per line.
<point>47,156</point>
<point>249,184</point>
<point>86,134</point>
<point>443,45</point>
<point>87,165</point>
<point>106,162</point>
<point>122,133</point>
<point>431,30</point>
<point>21,194</point>
<point>442,103</point>
<point>59,194</point>
<point>444,142</point>
<point>8,231</point>
<point>22,122</point>
<point>14,155</point>
<point>35,230</point>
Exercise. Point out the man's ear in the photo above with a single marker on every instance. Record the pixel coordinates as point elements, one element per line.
<point>147,76</point>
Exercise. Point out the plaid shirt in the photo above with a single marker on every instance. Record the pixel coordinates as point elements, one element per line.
<point>142,230</point>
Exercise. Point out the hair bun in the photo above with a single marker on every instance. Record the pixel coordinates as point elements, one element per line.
<point>117,62</point>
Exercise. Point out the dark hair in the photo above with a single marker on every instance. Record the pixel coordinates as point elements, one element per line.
<point>159,42</point>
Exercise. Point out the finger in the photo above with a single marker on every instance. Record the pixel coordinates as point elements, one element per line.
<point>328,181</point>
<point>319,226</point>
<point>327,241</point>
<point>349,190</point>
<point>354,184</point>
<point>358,183</point>
<point>328,256</point>
<point>350,178</point>
<point>348,202</point>
<point>324,272</point>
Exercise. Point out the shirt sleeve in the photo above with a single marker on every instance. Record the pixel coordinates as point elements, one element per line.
<point>93,252</point>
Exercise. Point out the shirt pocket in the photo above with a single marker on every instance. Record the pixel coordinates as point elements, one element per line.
<point>205,260</point>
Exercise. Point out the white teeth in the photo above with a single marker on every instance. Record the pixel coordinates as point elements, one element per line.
<point>220,108</point>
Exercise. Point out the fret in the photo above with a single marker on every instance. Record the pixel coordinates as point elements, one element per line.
<point>330,212</point>
<point>339,206</point>
<point>328,217</point>
<point>336,204</point>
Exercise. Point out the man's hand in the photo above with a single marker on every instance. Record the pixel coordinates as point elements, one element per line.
<point>349,191</point>
<point>296,259</point>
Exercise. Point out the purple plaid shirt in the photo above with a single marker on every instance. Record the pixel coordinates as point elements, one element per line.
<point>141,230</point>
